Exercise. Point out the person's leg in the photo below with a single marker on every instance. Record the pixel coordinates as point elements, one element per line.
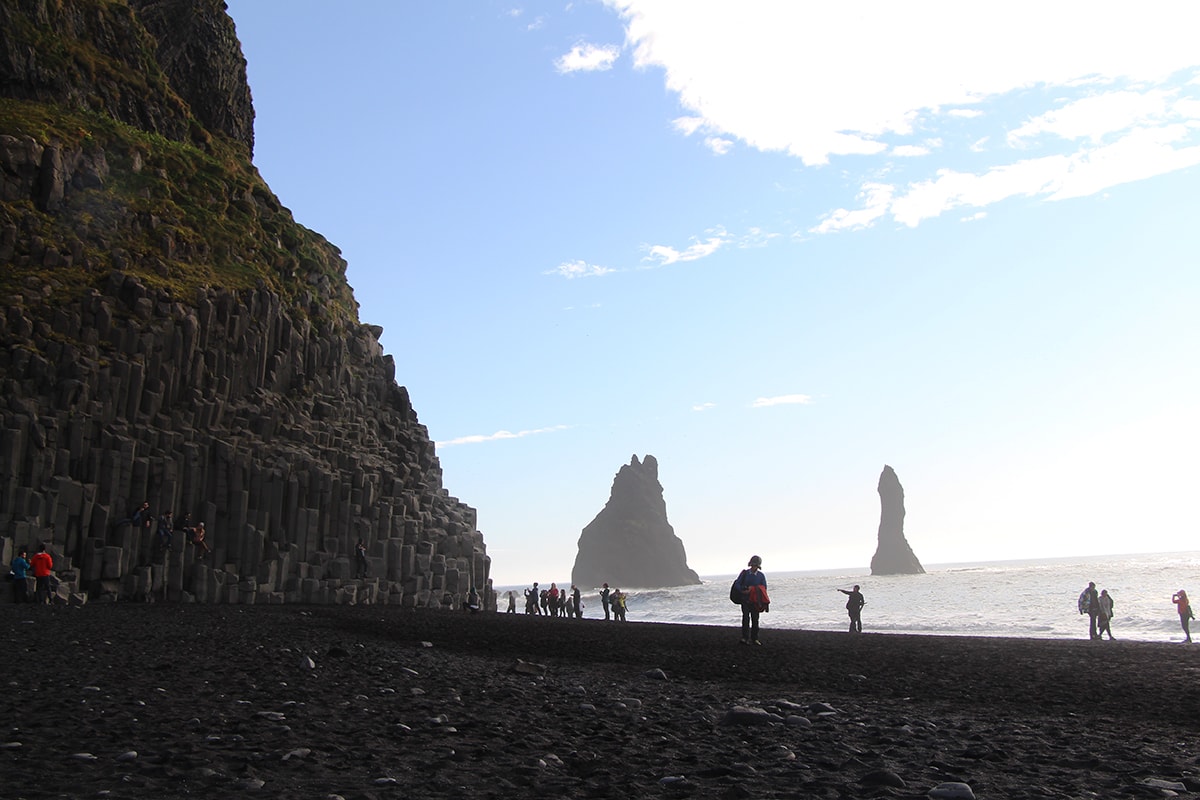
<point>754,626</point>
<point>1185,621</point>
<point>745,624</point>
<point>1092,626</point>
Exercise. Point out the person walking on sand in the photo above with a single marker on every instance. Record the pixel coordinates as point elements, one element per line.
<point>604,595</point>
<point>1104,618</point>
<point>1089,603</point>
<point>1180,599</point>
<point>512,602</point>
<point>752,583</point>
<point>854,605</point>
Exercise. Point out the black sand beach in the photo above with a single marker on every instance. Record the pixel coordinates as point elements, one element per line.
<point>133,701</point>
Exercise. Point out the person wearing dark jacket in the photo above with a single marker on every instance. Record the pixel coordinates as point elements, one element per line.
<point>753,585</point>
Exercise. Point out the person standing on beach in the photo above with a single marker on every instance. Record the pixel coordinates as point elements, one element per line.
<point>854,605</point>
<point>1104,618</point>
<point>604,595</point>
<point>753,585</point>
<point>42,564</point>
<point>512,602</point>
<point>1180,599</point>
<point>20,575</point>
<point>618,605</point>
<point>1089,603</point>
<point>576,605</point>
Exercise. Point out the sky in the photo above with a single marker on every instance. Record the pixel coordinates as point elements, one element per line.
<point>776,245</point>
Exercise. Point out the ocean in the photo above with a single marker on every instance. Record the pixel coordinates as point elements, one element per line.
<point>1029,599</point>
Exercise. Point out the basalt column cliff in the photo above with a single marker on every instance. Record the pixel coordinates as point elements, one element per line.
<point>168,333</point>
<point>630,543</point>
<point>893,556</point>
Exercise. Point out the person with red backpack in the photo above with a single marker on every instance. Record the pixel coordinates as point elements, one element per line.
<point>753,585</point>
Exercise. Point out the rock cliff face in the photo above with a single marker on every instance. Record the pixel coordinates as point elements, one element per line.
<point>893,556</point>
<point>169,334</point>
<point>630,543</point>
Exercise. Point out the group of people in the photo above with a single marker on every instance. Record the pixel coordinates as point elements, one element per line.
<point>166,526</point>
<point>41,567</point>
<point>555,602</point>
<point>1099,608</point>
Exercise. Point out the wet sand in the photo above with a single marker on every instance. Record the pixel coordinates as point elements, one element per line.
<point>152,701</point>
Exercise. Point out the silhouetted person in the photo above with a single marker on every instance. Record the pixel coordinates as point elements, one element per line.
<point>1089,603</point>
<point>854,604</point>
<point>604,595</point>
<point>1180,599</point>
<point>1104,618</point>
<point>512,602</point>
<point>753,585</point>
<point>360,559</point>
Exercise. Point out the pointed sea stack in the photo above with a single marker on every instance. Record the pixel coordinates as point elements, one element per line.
<point>630,543</point>
<point>893,556</point>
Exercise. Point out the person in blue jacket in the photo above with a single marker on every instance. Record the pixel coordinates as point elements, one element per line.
<point>20,571</point>
<point>753,585</point>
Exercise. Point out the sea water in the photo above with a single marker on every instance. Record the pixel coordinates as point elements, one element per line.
<point>1032,599</point>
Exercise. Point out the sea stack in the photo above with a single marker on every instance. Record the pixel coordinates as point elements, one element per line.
<point>630,543</point>
<point>893,556</point>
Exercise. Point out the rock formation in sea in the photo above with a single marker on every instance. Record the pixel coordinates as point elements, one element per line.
<point>170,334</point>
<point>630,543</point>
<point>893,555</point>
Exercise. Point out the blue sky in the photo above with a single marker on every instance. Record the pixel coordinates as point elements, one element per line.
<point>775,245</point>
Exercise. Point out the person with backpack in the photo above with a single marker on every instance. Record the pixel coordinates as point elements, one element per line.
<point>752,584</point>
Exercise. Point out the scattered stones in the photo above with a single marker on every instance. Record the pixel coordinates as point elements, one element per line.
<point>655,674</point>
<point>883,777</point>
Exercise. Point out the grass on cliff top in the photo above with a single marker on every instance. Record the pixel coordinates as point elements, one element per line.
<point>180,216</point>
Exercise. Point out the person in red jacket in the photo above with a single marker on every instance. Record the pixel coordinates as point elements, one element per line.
<point>41,563</point>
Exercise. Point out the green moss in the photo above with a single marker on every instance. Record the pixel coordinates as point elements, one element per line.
<point>226,226</point>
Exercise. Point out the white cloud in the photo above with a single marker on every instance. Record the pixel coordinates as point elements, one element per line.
<point>499,435</point>
<point>1095,116</point>
<point>867,84</point>
<point>718,145</point>
<point>703,406</point>
<point>579,269</point>
<point>762,73</point>
<point>782,400</point>
<point>876,199</point>
<point>687,125</point>
<point>1139,154</point>
<point>663,254</point>
<point>588,58</point>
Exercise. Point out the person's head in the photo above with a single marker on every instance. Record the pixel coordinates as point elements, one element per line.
<point>168,514</point>
<point>606,586</point>
<point>1104,592</point>
<point>22,552</point>
<point>42,549</point>
<point>200,525</point>
<point>856,587</point>
<point>1091,584</point>
<point>755,562</point>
